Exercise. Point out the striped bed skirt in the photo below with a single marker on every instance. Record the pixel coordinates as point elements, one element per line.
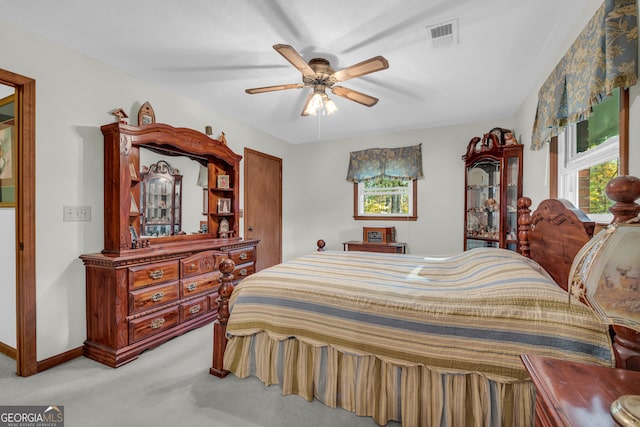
<point>386,390</point>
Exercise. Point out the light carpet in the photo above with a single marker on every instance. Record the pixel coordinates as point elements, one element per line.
<point>167,386</point>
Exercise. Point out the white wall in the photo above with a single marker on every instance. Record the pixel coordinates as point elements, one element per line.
<point>74,97</point>
<point>324,198</point>
<point>8,276</point>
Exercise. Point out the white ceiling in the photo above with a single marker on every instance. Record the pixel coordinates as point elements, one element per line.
<point>211,50</point>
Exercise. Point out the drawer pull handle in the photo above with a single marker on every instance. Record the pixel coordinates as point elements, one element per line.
<point>243,272</point>
<point>156,274</point>
<point>192,286</point>
<point>192,267</point>
<point>157,323</point>
<point>157,296</point>
<point>243,255</point>
<point>194,309</point>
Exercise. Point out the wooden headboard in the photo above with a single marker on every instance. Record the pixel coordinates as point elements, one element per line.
<point>556,232</point>
<point>553,235</point>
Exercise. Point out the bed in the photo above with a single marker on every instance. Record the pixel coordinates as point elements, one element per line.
<point>423,341</point>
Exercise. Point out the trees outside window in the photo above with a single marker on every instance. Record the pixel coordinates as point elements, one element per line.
<point>589,156</point>
<point>385,198</point>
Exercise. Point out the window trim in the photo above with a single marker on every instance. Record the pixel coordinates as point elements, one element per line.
<point>412,217</point>
<point>623,146</point>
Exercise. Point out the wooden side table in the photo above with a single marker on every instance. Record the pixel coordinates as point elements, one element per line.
<point>576,394</point>
<point>393,248</point>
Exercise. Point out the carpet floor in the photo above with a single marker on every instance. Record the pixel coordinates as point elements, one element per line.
<point>167,386</point>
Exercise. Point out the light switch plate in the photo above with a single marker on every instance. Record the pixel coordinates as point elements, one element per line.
<point>76,213</point>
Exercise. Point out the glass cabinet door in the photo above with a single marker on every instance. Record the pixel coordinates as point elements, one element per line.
<point>511,194</point>
<point>493,167</point>
<point>483,204</point>
<point>161,201</point>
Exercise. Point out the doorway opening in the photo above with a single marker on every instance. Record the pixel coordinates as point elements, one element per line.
<point>24,192</point>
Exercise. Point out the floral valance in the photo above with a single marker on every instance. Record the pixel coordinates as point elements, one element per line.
<point>402,162</point>
<point>603,57</point>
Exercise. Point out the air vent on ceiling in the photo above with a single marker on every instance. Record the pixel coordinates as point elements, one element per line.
<point>444,34</point>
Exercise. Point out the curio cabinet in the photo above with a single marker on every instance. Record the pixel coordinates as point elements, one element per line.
<point>493,185</point>
<point>161,200</point>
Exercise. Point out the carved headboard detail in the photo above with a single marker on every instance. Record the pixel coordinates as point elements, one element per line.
<point>553,235</point>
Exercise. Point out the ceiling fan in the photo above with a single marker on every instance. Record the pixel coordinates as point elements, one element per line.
<point>319,75</point>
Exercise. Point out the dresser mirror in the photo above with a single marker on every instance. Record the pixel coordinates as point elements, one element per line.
<point>191,192</point>
<point>197,157</point>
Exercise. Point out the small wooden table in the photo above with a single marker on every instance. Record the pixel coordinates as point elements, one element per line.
<point>576,394</point>
<point>393,248</point>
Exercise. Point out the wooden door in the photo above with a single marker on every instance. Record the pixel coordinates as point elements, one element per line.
<point>263,206</point>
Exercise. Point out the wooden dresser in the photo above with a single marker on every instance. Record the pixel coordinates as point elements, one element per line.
<point>576,394</point>
<point>139,300</point>
<point>152,283</point>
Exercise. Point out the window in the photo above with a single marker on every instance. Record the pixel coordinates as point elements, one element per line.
<point>589,155</point>
<point>385,198</point>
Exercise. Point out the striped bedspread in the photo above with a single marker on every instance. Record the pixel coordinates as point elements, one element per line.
<point>473,312</point>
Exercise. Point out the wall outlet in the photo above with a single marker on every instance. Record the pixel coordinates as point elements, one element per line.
<point>76,213</point>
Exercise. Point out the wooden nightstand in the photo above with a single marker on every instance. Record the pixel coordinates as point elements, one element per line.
<point>576,394</point>
<point>393,248</point>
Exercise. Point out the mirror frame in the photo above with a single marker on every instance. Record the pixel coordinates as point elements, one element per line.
<point>122,143</point>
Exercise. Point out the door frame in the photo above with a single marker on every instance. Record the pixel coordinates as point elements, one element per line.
<point>248,151</point>
<point>25,94</point>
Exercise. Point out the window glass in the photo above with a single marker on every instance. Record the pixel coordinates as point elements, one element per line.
<point>598,176</point>
<point>384,197</point>
<point>588,157</point>
<point>603,124</point>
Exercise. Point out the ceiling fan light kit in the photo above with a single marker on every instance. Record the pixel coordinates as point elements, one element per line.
<point>319,99</point>
<point>319,75</point>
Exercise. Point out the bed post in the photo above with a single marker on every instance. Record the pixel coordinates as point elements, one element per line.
<point>524,225</point>
<point>220,326</point>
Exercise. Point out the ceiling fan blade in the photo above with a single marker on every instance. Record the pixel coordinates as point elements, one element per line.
<point>306,105</point>
<point>291,55</point>
<point>354,95</point>
<point>371,65</point>
<point>274,88</point>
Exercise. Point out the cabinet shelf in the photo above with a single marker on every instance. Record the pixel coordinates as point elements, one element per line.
<point>482,187</point>
<point>486,239</point>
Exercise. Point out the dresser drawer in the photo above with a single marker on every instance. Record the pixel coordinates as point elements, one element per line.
<point>149,274</point>
<point>198,284</point>
<point>241,256</point>
<point>243,270</point>
<point>153,296</point>
<point>153,324</point>
<point>200,263</point>
<point>193,308</point>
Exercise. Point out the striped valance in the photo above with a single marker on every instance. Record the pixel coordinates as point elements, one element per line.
<point>603,57</point>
